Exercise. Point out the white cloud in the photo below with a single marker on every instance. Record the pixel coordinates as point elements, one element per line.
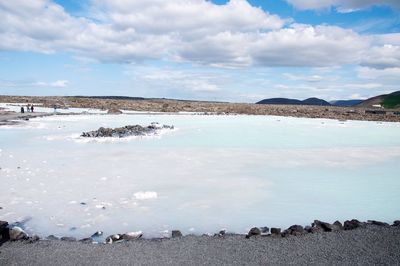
<point>309,78</point>
<point>54,84</point>
<point>178,80</point>
<point>388,74</point>
<point>387,56</point>
<point>342,5</point>
<point>197,31</point>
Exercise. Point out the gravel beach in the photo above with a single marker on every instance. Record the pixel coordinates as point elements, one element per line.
<point>373,245</point>
<point>11,118</point>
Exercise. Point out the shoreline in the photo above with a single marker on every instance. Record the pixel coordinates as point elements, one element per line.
<point>13,118</point>
<point>367,245</point>
<point>174,106</point>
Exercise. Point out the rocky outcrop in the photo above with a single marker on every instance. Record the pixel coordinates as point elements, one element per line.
<point>326,227</point>
<point>176,233</point>
<point>4,232</point>
<point>294,230</point>
<point>255,231</point>
<point>132,235</point>
<point>126,131</point>
<point>352,224</point>
<point>378,223</point>
<point>275,231</point>
<point>16,233</point>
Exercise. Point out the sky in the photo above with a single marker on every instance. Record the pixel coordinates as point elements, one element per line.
<point>237,50</point>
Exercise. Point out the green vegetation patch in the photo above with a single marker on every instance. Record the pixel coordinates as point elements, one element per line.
<point>391,101</point>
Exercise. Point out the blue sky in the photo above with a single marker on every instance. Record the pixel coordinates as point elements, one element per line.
<point>238,50</point>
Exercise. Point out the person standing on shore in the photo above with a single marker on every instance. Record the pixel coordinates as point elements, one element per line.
<point>22,109</point>
<point>28,107</point>
<point>32,108</point>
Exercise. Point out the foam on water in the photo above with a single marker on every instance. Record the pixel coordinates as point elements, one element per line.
<point>215,172</point>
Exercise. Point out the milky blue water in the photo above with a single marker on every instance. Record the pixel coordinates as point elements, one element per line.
<point>212,172</point>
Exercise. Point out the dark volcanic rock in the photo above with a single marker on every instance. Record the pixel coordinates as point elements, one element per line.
<point>264,229</point>
<point>396,223</point>
<point>378,223</point>
<point>68,238</point>
<point>275,231</point>
<point>126,131</point>
<point>337,226</point>
<point>327,227</point>
<point>34,238</point>
<point>52,237</point>
<point>176,233</point>
<point>113,238</point>
<point>132,235</point>
<point>353,224</point>
<point>255,231</point>
<point>16,233</point>
<point>4,232</point>
<point>295,230</point>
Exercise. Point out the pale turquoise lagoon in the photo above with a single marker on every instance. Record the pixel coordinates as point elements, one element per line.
<point>210,173</point>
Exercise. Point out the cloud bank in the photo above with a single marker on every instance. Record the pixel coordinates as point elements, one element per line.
<point>342,5</point>
<point>235,34</point>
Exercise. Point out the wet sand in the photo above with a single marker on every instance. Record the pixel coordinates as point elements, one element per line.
<point>373,245</point>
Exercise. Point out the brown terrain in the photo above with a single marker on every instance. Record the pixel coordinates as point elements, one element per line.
<point>166,105</point>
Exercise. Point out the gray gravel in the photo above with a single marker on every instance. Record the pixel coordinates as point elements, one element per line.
<point>373,245</point>
<point>11,118</point>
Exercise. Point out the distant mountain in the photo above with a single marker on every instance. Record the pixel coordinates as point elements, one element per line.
<point>315,101</point>
<point>309,101</point>
<point>346,103</point>
<point>391,100</point>
<point>280,101</point>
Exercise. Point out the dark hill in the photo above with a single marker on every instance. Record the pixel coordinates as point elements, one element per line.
<point>280,101</point>
<point>391,100</point>
<point>316,101</point>
<point>309,101</point>
<point>346,103</point>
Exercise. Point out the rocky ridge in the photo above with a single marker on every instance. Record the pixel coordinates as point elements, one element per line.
<point>126,131</point>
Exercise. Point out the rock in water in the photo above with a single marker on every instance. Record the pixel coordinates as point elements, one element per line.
<point>126,131</point>
<point>176,233</point>
<point>132,235</point>
<point>16,233</point>
<point>396,223</point>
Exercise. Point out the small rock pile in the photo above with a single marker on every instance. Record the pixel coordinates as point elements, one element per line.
<point>316,227</point>
<point>126,131</point>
